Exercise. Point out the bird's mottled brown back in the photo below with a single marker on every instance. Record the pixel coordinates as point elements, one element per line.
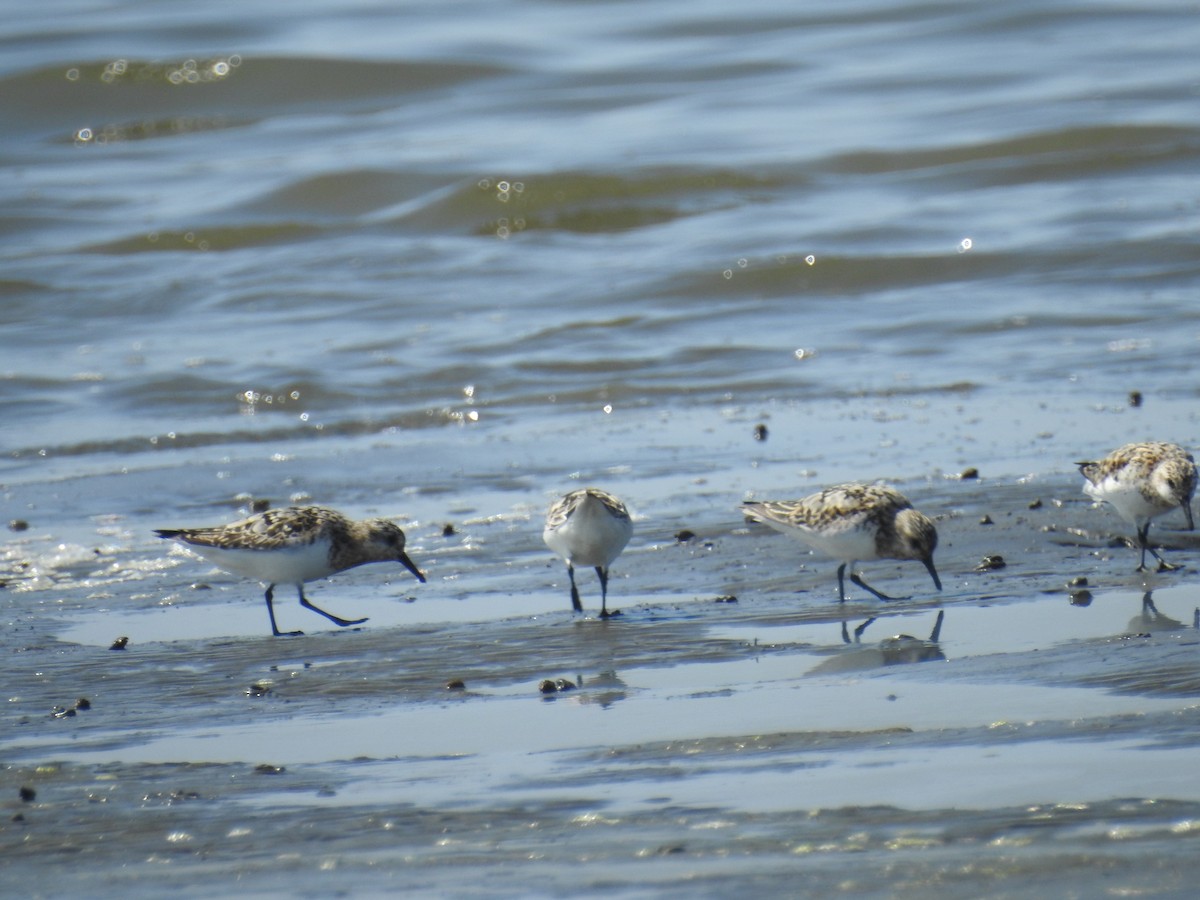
<point>269,530</point>
<point>562,509</point>
<point>1137,460</point>
<point>873,503</point>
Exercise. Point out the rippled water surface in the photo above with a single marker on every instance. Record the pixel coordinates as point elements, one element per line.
<point>444,261</point>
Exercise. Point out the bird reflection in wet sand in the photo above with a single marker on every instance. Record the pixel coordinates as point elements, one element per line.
<point>1141,482</point>
<point>1151,619</point>
<point>295,545</point>
<point>902,648</point>
<point>853,522</point>
<point>602,689</point>
<point>896,650</point>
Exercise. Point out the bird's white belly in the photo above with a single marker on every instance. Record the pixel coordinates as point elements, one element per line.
<point>287,565</point>
<point>589,541</point>
<point>1129,502</point>
<point>847,545</point>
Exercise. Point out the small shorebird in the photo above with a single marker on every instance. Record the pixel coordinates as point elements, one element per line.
<point>588,528</point>
<point>1143,481</point>
<point>295,545</point>
<point>853,522</point>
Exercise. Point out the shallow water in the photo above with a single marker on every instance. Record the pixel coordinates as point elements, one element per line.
<point>443,263</point>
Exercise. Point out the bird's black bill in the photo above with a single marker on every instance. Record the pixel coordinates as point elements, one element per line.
<point>411,566</point>
<point>937,582</point>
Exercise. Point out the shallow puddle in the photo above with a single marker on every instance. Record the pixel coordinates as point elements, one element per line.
<point>977,630</point>
<point>190,619</point>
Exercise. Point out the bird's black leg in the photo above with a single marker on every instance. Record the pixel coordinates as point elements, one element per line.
<point>854,576</point>
<point>602,574</point>
<point>842,583</point>
<point>575,604</point>
<point>1141,536</point>
<point>1144,540</point>
<point>271,612</point>
<point>336,620</point>
<point>1163,565</point>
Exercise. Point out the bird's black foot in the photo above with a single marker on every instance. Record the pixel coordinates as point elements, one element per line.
<point>857,579</point>
<point>336,620</point>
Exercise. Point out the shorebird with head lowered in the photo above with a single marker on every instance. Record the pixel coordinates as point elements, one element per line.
<point>588,527</point>
<point>1143,481</point>
<point>853,522</point>
<point>295,545</point>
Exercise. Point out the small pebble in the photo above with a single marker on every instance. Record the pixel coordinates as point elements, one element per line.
<point>120,643</point>
<point>258,690</point>
<point>727,598</point>
<point>1036,504</point>
<point>684,536</point>
<point>448,530</point>
<point>991,563</point>
<point>83,703</point>
<point>968,473</point>
<point>547,686</point>
<point>1135,398</point>
<point>265,769</point>
<point>27,794</point>
<point>1081,598</point>
<point>760,432</point>
<point>986,520</point>
<point>260,505</point>
<point>18,525</point>
<point>1078,581</point>
<point>456,684</point>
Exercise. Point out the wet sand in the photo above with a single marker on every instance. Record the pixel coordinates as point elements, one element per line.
<point>728,728</point>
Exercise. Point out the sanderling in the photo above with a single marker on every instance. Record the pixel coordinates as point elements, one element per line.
<point>295,545</point>
<point>1143,481</point>
<point>853,522</point>
<point>588,528</point>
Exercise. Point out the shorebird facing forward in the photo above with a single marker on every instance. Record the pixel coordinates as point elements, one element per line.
<point>853,522</point>
<point>588,527</point>
<point>1143,481</point>
<point>295,545</point>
